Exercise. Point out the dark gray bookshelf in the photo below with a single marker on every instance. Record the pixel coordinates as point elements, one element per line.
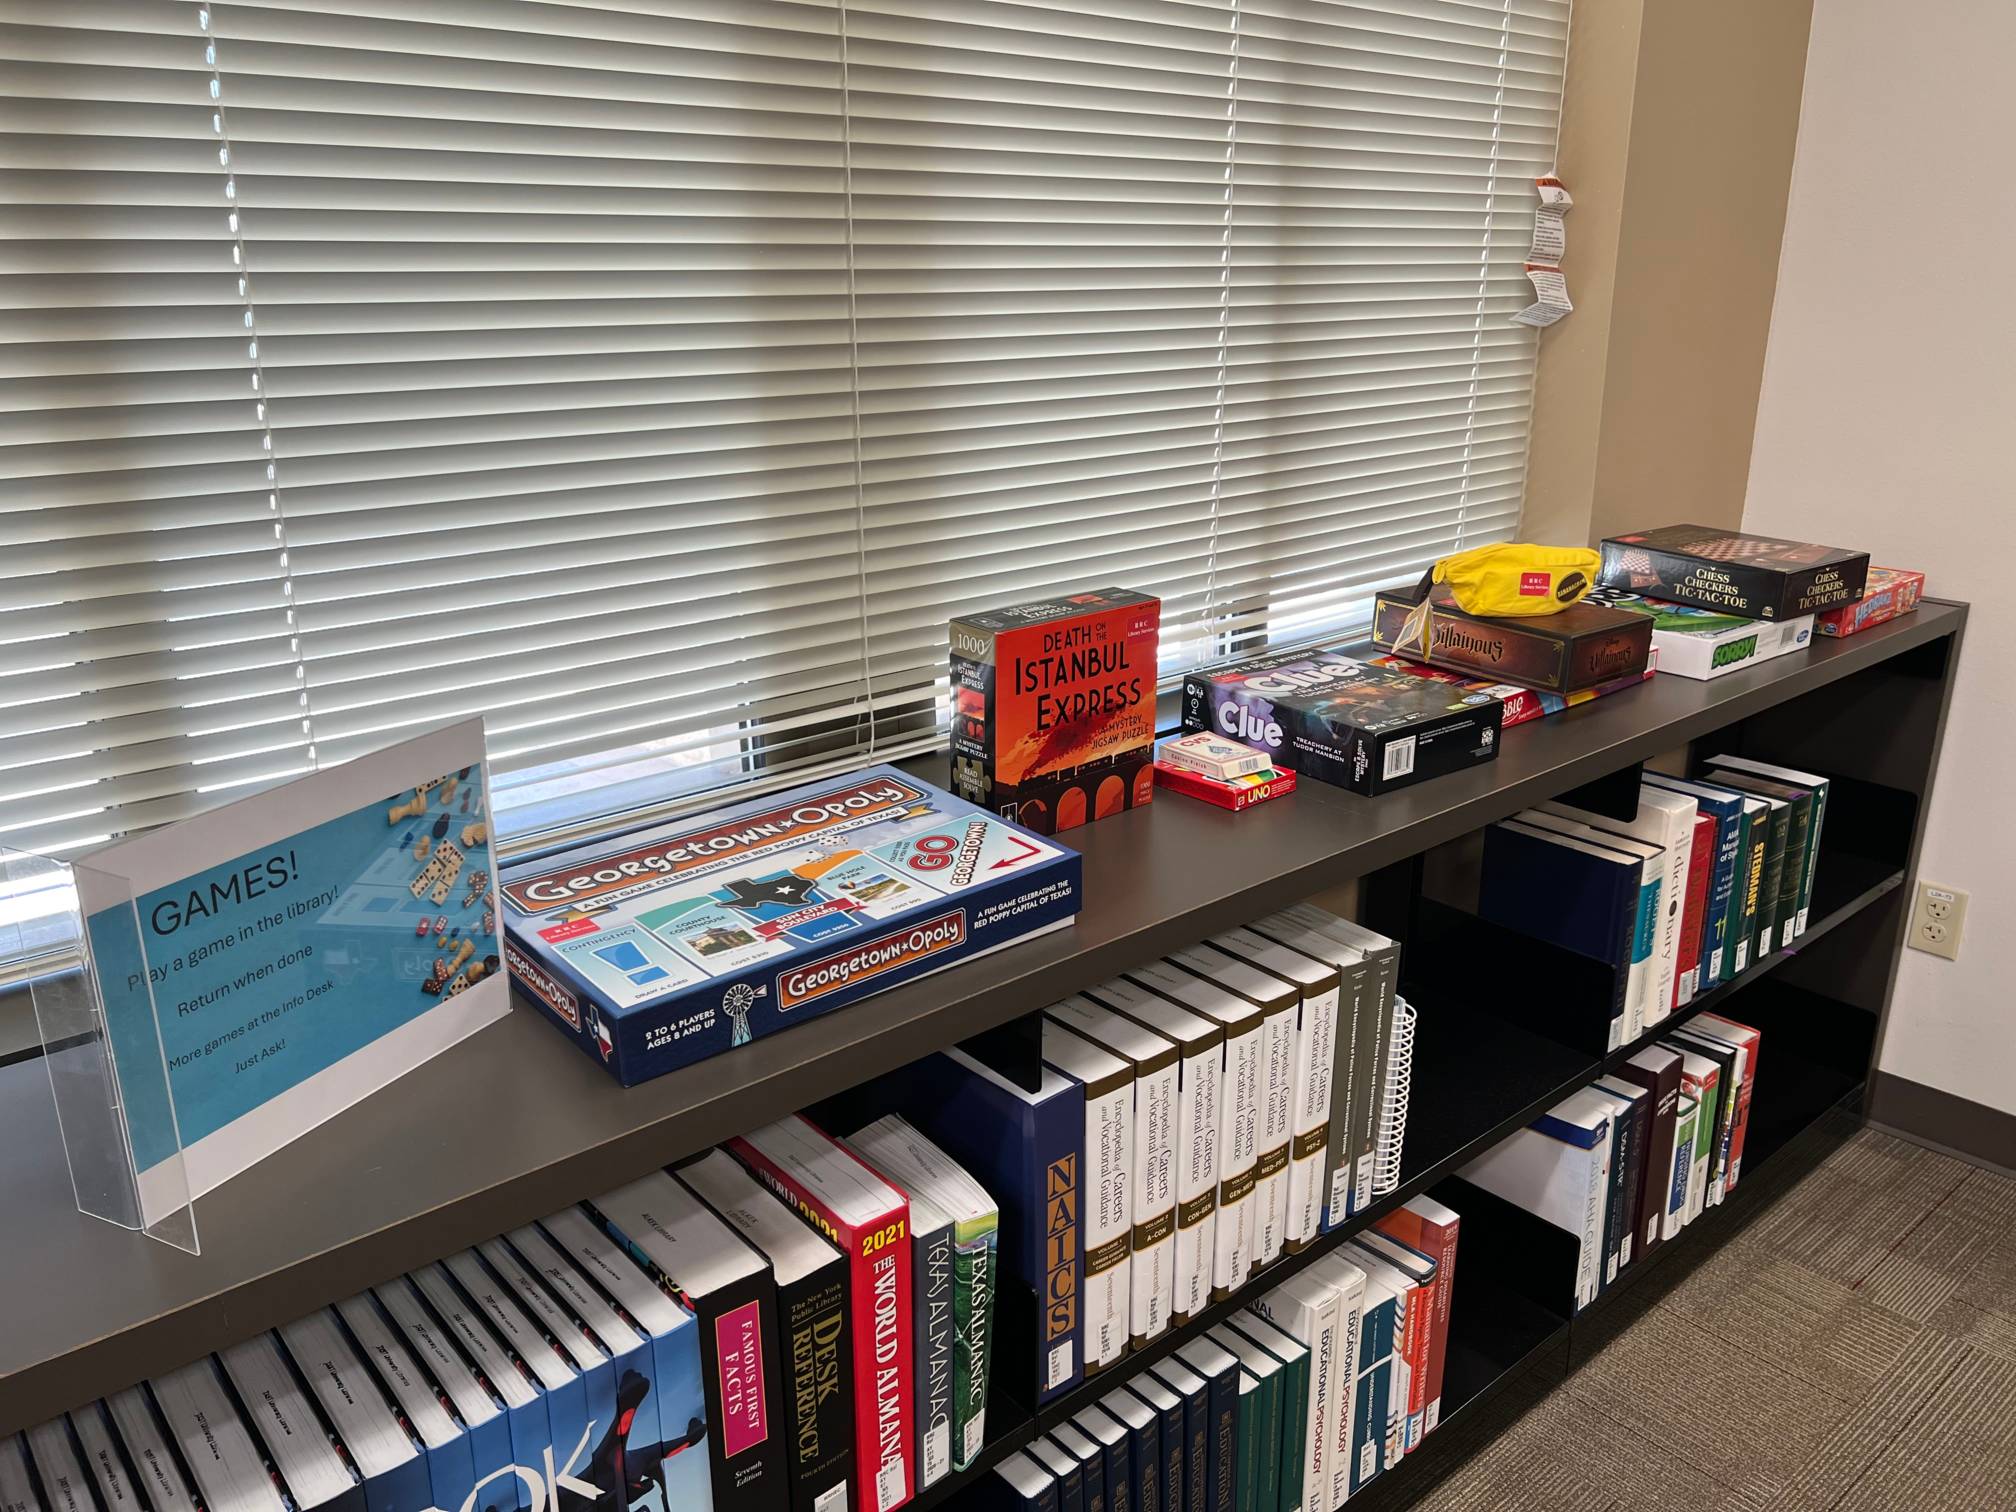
<point>431,1164</point>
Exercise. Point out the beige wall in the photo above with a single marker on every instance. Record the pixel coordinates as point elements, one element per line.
<point>1888,400</point>
<point>1677,138</point>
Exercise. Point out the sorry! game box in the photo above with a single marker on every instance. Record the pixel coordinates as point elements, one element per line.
<point>666,945</point>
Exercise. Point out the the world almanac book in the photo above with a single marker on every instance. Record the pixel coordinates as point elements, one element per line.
<point>868,1221</point>
<point>816,1391</point>
<point>663,946</point>
<point>957,1291</point>
<point>1338,720</point>
<point>1757,577</point>
<point>1053,707</point>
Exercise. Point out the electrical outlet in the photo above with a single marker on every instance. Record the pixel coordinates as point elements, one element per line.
<point>1938,915</point>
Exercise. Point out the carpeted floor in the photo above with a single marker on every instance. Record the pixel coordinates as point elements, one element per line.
<point>1854,1348</point>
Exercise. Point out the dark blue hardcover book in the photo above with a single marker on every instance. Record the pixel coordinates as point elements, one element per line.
<point>1091,1460</point>
<point>1168,1409</point>
<point>1018,1484</point>
<point>275,1408</point>
<point>1070,1475</point>
<point>1028,1150</point>
<point>1567,891</point>
<point>1116,1450</point>
<point>1144,1448</point>
<point>524,1403</point>
<point>375,1437</point>
<point>1220,1374</point>
<point>476,1408</point>
<point>1726,809</point>
<point>1196,1394</point>
<point>422,1401</point>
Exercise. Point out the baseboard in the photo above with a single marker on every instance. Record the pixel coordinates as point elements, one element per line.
<point>1974,1132</point>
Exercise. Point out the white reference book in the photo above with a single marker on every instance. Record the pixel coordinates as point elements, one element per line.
<point>1665,819</point>
<point>472,1402</point>
<point>1238,1110</point>
<point>1699,1068</point>
<point>1201,1047</point>
<point>1152,1291</point>
<point>99,1447</point>
<point>348,1394</point>
<point>17,1492</point>
<point>400,1372</point>
<point>511,1384</point>
<point>1354,1294</point>
<point>1558,1169</point>
<point>1106,1203</point>
<point>1321,1311</point>
<point>283,1420</point>
<point>230,1470</point>
<point>161,1483</point>
<point>63,1474</point>
<point>1313,1065</point>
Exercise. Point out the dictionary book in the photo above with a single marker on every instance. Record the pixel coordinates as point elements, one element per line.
<point>868,1221</point>
<point>816,1394</point>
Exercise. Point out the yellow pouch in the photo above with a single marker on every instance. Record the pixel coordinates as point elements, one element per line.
<point>1509,581</point>
<point>1503,582</point>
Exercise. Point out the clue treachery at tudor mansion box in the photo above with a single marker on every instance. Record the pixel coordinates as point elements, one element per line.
<point>668,944</point>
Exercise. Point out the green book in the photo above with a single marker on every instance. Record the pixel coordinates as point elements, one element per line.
<point>1267,1371</point>
<point>1294,1357</point>
<point>1251,1440</point>
<point>1803,848</point>
<point>1748,893</point>
<point>1686,1121</point>
<point>1808,782</point>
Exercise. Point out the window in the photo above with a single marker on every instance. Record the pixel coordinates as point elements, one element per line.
<point>658,378</point>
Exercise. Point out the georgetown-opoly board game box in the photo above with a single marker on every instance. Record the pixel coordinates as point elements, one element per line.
<point>1702,644</point>
<point>1334,718</point>
<point>1582,646</point>
<point>666,945</point>
<point>1053,707</point>
<point>1752,576</point>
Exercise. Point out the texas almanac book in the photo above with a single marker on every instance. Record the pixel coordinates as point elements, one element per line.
<point>662,946</point>
<point>1053,707</point>
<point>868,1220</point>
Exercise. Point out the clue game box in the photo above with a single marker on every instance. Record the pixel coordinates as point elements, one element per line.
<point>666,945</point>
<point>1053,707</point>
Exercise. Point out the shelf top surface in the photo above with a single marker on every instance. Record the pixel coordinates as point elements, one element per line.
<point>431,1164</point>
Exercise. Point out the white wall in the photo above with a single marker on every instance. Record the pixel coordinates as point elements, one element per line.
<point>1888,420</point>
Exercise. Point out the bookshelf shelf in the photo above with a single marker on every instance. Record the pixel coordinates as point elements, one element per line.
<point>426,1167</point>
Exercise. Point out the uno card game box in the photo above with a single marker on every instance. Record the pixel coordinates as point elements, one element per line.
<point>1582,646</point>
<point>1053,707</point>
<point>1333,718</point>
<point>1750,576</point>
<point>669,944</point>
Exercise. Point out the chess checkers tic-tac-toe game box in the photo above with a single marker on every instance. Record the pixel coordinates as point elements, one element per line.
<point>661,947</point>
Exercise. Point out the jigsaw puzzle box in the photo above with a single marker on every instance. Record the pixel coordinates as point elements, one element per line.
<point>666,945</point>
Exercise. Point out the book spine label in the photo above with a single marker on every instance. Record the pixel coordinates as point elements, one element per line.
<point>973,1265</point>
<point>1309,1134</point>
<point>932,1264</point>
<point>1239,1151</point>
<point>1197,1180</point>
<point>1153,1293</point>
<point>813,1315</point>
<point>1277,1122</point>
<point>1106,1224</point>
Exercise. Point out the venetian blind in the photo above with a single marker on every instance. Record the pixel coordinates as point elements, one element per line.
<point>657,378</point>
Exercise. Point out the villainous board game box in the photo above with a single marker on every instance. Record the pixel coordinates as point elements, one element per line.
<point>1750,576</point>
<point>666,945</point>
<point>1522,705</point>
<point>1582,646</point>
<point>1333,718</point>
<point>1889,593</point>
<point>1053,707</point>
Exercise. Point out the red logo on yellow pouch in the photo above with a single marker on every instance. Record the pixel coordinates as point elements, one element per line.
<point>816,979</point>
<point>1533,585</point>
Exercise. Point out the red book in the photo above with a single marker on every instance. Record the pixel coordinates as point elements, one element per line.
<point>868,1220</point>
<point>1701,872</point>
<point>1426,1225</point>
<point>1728,1030</point>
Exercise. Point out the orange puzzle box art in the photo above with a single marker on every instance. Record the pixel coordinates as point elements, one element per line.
<point>1053,707</point>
